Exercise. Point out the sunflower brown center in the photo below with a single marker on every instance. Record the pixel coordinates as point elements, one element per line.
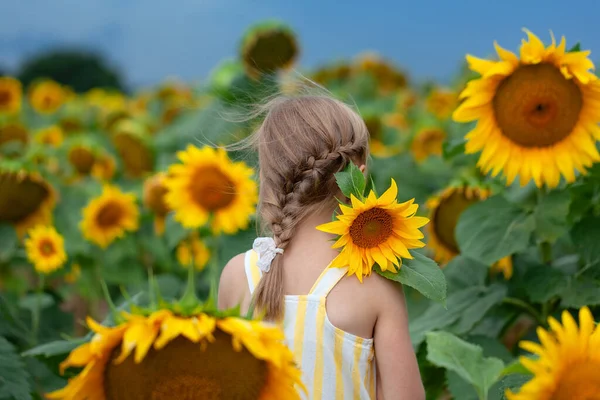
<point>109,215</point>
<point>581,381</point>
<point>272,51</point>
<point>137,158</point>
<point>183,371</point>
<point>46,248</point>
<point>537,106</point>
<point>212,189</point>
<point>371,228</point>
<point>446,217</point>
<point>374,127</point>
<point>5,98</point>
<point>20,198</point>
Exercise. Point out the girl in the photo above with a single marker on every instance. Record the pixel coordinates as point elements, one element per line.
<point>350,339</point>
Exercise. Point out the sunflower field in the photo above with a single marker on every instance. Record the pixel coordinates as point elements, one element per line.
<point>118,212</point>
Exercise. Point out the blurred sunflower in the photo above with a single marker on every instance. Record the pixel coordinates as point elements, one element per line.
<point>377,147</point>
<point>46,96</point>
<point>10,95</point>
<point>13,132</point>
<point>268,47</point>
<point>73,275</point>
<point>82,157</point>
<point>428,142</point>
<point>167,356</point>
<point>104,167</point>
<point>26,199</point>
<point>567,366</point>
<point>45,249</point>
<point>441,102</point>
<point>109,216</point>
<point>106,101</point>
<point>51,135</point>
<point>396,120</point>
<point>154,199</point>
<point>445,210</point>
<point>388,77</point>
<point>208,183</point>
<point>328,74</point>
<point>537,115</point>
<point>378,230</point>
<point>134,148</point>
<point>193,249</point>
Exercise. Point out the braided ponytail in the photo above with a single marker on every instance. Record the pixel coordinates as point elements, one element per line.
<point>301,144</point>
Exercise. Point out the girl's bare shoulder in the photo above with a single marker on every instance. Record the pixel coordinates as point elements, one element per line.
<point>233,286</point>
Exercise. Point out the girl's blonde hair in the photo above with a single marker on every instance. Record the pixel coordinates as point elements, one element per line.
<point>302,142</point>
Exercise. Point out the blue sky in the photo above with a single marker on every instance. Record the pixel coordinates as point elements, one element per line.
<point>149,40</point>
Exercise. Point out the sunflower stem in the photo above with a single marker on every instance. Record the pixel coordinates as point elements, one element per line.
<point>215,270</point>
<point>113,309</point>
<point>525,307</point>
<point>189,300</point>
<point>35,314</point>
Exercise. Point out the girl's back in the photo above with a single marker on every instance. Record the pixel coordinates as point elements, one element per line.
<point>334,324</point>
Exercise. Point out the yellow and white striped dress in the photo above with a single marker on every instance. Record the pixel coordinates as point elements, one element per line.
<point>335,364</point>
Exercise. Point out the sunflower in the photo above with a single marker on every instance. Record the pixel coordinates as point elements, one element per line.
<point>45,249</point>
<point>82,158</point>
<point>388,77</point>
<point>428,142</point>
<point>52,136</point>
<point>568,363</point>
<point>441,102</point>
<point>26,199</point>
<point>536,115</point>
<point>10,95</point>
<point>46,96</point>
<point>13,132</point>
<point>208,183</point>
<point>132,144</point>
<point>377,147</point>
<point>193,249</point>
<point>167,356</point>
<point>109,216</point>
<point>378,230</point>
<point>154,200</point>
<point>104,167</point>
<point>268,47</point>
<point>445,210</point>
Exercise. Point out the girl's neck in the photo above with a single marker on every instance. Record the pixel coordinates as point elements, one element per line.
<point>306,235</point>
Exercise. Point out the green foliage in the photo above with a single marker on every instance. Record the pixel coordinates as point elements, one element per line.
<point>15,381</point>
<point>80,70</point>
<point>467,360</point>
<point>422,274</point>
<point>351,181</point>
<point>493,229</point>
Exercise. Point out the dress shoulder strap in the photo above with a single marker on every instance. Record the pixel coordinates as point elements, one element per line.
<point>253,273</point>
<point>327,281</point>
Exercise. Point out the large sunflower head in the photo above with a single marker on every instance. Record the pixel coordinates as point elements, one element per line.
<point>268,47</point>
<point>46,96</point>
<point>428,142</point>
<point>168,356</point>
<point>376,230</point>
<point>154,199</point>
<point>207,183</point>
<point>193,249</point>
<point>109,216</point>
<point>568,362</point>
<point>52,136</point>
<point>26,199</point>
<point>441,102</point>
<point>134,148</point>
<point>10,95</point>
<point>536,114</point>
<point>45,249</point>
<point>444,211</point>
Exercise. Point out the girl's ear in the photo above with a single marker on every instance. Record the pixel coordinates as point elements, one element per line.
<point>362,168</point>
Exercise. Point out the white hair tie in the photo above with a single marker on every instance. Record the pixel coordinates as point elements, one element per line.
<point>267,250</point>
